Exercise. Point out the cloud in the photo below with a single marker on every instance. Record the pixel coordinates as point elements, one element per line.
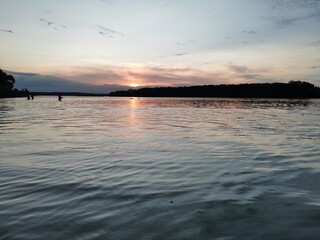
<point>250,76</point>
<point>237,69</point>
<point>243,74</point>
<point>165,76</point>
<point>175,77</point>
<point>52,24</point>
<point>316,43</point>
<point>7,31</point>
<point>148,76</point>
<point>24,74</point>
<point>180,54</point>
<point>249,32</point>
<point>290,12</point>
<point>287,4</point>
<point>48,23</point>
<point>103,79</point>
<point>101,76</point>
<point>290,20</point>
<point>48,83</point>
<point>169,76</point>
<point>109,2</point>
<point>109,32</point>
<point>315,67</point>
<point>175,55</point>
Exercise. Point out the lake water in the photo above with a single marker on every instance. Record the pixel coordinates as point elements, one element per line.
<point>156,168</point>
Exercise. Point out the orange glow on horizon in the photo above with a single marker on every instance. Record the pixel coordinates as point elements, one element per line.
<point>134,85</point>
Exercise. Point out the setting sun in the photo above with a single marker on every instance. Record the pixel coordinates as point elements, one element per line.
<point>134,85</point>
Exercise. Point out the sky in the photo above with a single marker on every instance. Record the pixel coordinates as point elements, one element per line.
<point>105,45</point>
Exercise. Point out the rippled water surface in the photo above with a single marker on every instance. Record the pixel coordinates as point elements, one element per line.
<point>156,168</point>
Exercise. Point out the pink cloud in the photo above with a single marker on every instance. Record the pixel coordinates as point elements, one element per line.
<point>167,76</point>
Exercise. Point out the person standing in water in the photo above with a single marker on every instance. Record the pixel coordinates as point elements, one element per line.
<point>60,97</point>
<point>27,94</point>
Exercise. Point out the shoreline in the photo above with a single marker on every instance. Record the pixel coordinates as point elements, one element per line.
<point>22,94</point>
<point>177,97</point>
<point>291,90</point>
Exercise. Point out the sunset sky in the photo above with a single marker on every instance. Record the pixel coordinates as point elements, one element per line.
<point>79,44</point>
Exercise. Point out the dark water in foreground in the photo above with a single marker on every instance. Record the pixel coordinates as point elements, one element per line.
<point>121,168</point>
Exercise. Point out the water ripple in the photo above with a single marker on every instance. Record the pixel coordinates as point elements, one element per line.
<point>157,168</point>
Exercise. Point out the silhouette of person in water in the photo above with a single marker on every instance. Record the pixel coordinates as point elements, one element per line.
<point>27,93</point>
<point>60,97</point>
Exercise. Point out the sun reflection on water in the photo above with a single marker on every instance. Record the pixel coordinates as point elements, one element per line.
<point>133,102</point>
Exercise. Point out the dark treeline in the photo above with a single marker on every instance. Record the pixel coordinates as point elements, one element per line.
<point>6,86</point>
<point>293,89</point>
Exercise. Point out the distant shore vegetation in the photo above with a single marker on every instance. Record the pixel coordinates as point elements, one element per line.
<point>6,81</point>
<point>292,89</point>
<point>7,89</point>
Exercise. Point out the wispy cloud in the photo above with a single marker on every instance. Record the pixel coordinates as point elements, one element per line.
<point>48,23</point>
<point>101,76</point>
<point>52,24</point>
<point>175,55</point>
<point>289,4</point>
<point>160,76</point>
<point>109,2</point>
<point>290,12</point>
<point>7,31</point>
<point>180,54</point>
<point>105,31</point>
<point>163,75</point>
<point>250,76</point>
<point>316,43</point>
<point>249,32</point>
<point>315,67</point>
<point>237,68</point>
<point>246,74</point>
<point>289,21</point>
<point>50,83</point>
<point>83,77</point>
<point>282,22</point>
<point>145,76</point>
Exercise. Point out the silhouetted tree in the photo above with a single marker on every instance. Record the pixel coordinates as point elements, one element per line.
<point>6,81</point>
